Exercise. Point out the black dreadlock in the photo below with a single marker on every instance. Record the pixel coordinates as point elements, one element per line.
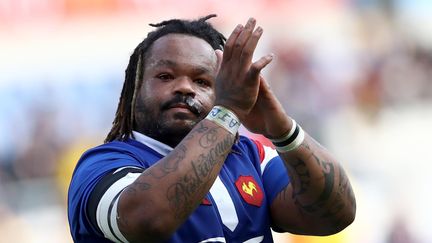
<point>123,121</point>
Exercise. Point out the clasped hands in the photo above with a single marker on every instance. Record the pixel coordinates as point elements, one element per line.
<point>241,88</point>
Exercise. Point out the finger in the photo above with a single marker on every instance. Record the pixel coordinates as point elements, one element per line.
<point>230,42</point>
<point>249,49</point>
<point>257,66</point>
<point>243,38</point>
<point>219,56</point>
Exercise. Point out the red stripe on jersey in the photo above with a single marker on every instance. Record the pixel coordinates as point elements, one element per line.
<point>260,148</point>
<point>206,202</point>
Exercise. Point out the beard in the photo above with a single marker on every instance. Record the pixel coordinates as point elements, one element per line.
<point>153,120</point>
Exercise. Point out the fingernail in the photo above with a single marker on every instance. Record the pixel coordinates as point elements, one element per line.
<point>259,29</point>
<point>239,27</point>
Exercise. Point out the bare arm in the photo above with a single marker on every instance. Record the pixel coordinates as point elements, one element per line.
<point>158,202</point>
<point>319,200</point>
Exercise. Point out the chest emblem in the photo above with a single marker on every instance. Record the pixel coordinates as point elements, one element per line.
<point>250,190</point>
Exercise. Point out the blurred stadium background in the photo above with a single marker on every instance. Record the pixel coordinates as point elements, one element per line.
<point>357,74</point>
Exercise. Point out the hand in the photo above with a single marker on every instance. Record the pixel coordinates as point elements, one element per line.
<point>238,82</point>
<point>267,116</point>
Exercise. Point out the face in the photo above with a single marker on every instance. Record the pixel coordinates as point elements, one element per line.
<point>177,89</point>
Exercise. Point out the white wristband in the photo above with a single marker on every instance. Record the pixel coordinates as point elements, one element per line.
<point>224,118</point>
<point>292,140</point>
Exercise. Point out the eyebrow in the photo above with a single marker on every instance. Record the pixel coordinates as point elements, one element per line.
<point>171,64</point>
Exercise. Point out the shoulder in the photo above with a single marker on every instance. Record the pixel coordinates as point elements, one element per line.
<point>100,160</point>
<point>112,154</point>
<point>128,147</point>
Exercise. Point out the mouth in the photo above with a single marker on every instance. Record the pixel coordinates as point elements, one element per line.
<point>183,104</point>
<point>182,107</point>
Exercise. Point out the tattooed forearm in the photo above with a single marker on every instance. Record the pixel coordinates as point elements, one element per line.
<point>209,138</point>
<point>169,165</point>
<point>200,128</point>
<point>181,195</point>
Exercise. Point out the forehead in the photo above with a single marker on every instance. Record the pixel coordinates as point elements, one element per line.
<point>181,49</point>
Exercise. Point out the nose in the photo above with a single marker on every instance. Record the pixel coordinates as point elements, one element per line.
<point>184,85</point>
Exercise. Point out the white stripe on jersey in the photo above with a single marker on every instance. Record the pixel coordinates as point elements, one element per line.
<point>216,240</point>
<point>224,204</point>
<point>127,167</point>
<point>113,219</point>
<point>269,154</point>
<point>106,213</point>
<point>255,240</point>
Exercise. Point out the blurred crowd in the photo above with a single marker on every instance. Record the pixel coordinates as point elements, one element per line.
<point>372,66</point>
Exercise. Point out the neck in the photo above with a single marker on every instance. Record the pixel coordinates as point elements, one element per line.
<point>171,139</point>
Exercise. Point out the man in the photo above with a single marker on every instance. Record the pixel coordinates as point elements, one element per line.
<point>173,167</point>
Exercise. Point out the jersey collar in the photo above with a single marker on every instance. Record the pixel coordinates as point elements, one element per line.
<point>157,146</point>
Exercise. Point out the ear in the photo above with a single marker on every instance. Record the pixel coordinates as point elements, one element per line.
<point>219,56</point>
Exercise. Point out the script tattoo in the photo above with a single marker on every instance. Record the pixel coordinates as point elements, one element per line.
<point>181,194</point>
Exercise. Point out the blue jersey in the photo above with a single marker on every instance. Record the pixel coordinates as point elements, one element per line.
<point>236,209</point>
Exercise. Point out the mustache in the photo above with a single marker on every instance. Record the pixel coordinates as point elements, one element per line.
<point>193,105</point>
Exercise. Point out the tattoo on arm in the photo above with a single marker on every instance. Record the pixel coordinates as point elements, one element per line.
<point>302,176</point>
<point>327,205</point>
<point>200,128</point>
<point>329,174</point>
<point>181,194</point>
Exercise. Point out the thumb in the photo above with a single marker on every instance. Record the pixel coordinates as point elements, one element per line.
<point>264,86</point>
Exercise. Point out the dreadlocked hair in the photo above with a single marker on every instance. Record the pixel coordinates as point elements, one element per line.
<point>124,118</point>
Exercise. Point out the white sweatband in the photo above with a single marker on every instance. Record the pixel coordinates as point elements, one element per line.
<point>292,140</point>
<point>224,118</point>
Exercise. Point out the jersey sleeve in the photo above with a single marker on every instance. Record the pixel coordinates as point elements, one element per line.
<point>96,172</point>
<point>273,171</point>
<point>103,201</point>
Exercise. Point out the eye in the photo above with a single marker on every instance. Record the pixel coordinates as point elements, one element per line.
<point>165,76</point>
<point>202,82</point>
